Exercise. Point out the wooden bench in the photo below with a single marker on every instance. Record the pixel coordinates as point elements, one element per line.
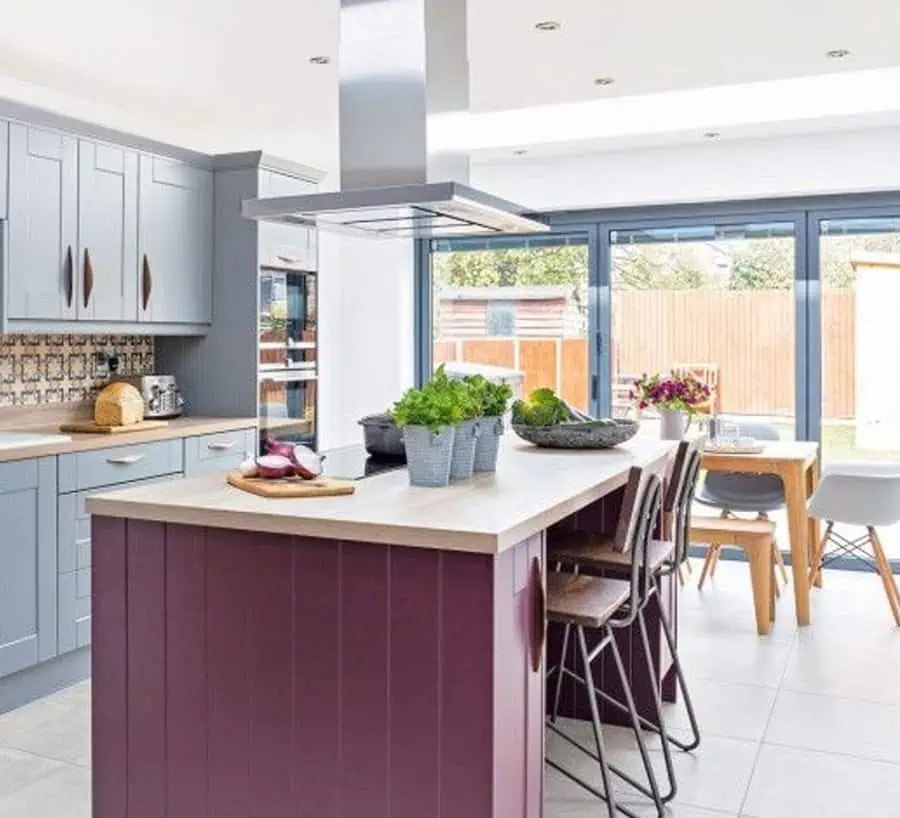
<point>756,538</point>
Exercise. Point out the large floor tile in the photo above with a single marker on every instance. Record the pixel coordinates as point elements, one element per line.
<point>830,724</point>
<point>859,662</point>
<point>65,793</point>
<point>56,727</point>
<point>754,660</point>
<point>18,769</point>
<point>725,709</point>
<point>789,783</point>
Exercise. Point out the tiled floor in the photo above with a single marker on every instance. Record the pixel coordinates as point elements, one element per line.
<point>794,725</point>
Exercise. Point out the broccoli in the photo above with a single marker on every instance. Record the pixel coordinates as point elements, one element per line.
<point>542,408</point>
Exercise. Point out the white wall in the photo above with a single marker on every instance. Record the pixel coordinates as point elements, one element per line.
<point>841,162</point>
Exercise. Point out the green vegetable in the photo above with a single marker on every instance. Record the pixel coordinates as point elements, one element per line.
<point>492,398</point>
<point>541,408</point>
<point>440,402</point>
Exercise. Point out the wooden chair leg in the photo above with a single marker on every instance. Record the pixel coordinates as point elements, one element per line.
<point>779,561</point>
<point>707,562</point>
<point>760,580</point>
<point>815,568</point>
<point>715,562</point>
<point>773,592</point>
<point>887,576</point>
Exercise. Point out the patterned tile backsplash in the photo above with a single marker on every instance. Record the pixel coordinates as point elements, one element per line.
<point>42,369</point>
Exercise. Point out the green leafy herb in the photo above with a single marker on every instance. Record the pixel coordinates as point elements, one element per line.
<point>493,398</point>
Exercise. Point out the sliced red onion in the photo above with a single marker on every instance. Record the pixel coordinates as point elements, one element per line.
<point>273,466</point>
<point>280,448</point>
<point>307,464</point>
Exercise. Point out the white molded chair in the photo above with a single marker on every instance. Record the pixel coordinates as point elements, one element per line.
<point>863,494</point>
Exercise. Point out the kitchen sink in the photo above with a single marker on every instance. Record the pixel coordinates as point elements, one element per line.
<point>17,440</point>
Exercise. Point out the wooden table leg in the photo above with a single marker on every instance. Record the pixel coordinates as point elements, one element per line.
<point>759,552</point>
<point>799,528</point>
<point>812,481</point>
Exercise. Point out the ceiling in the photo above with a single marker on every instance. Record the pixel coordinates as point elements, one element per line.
<point>234,74</point>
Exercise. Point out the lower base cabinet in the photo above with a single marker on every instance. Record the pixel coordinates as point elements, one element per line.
<point>74,563</point>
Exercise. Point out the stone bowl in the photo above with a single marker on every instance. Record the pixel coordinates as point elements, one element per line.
<point>578,435</point>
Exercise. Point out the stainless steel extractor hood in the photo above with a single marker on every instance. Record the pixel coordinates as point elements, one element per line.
<point>401,62</point>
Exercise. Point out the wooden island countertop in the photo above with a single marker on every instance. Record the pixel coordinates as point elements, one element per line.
<point>532,489</point>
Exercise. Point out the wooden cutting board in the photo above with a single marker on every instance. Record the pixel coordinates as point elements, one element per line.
<point>89,427</point>
<point>291,486</point>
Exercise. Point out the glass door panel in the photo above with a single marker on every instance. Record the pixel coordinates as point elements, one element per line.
<point>859,263</point>
<point>516,310</point>
<point>715,300</point>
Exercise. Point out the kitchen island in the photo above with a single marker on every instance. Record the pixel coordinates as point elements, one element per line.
<point>372,656</point>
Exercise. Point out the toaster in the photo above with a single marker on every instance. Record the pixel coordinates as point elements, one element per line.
<point>162,398</point>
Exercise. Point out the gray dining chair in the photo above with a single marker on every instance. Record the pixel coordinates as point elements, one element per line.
<point>736,493</point>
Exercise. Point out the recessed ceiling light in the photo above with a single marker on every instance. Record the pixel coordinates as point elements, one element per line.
<point>320,60</point>
<point>711,134</point>
<point>604,81</point>
<point>547,25</point>
<point>520,151</point>
<point>837,53</point>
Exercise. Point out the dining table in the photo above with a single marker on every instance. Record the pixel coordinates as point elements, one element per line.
<point>797,464</point>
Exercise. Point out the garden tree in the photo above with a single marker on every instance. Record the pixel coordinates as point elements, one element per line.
<point>657,267</point>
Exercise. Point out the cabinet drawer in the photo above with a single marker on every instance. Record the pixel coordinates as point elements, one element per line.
<point>206,454</point>
<point>119,464</point>
<point>18,475</point>
<point>74,526</point>
<point>74,589</point>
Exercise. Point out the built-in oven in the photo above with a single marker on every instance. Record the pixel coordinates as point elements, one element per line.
<point>287,406</point>
<point>288,373</point>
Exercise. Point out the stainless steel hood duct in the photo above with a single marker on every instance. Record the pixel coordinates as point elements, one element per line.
<point>401,61</point>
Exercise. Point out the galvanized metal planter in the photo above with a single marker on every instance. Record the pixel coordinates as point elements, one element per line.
<point>487,447</point>
<point>428,455</point>
<point>462,462</point>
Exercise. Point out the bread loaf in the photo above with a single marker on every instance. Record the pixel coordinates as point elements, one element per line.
<point>119,404</point>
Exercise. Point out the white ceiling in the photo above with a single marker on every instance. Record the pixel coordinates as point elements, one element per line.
<point>234,74</point>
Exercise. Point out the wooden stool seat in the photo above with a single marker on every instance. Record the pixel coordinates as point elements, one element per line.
<point>582,600</point>
<point>756,538</point>
<point>599,552</point>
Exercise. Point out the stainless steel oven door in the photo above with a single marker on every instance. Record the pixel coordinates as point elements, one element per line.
<point>288,406</point>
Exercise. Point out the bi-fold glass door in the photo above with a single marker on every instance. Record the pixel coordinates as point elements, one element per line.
<point>519,309</point>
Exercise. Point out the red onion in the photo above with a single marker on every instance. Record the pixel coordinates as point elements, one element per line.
<point>307,464</point>
<point>273,466</point>
<point>279,448</point>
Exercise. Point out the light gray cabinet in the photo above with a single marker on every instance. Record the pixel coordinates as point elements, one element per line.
<point>175,235</point>
<point>284,245</point>
<point>119,464</point>
<point>74,565</point>
<point>4,167</point>
<point>220,452</point>
<point>106,264</point>
<point>28,602</point>
<point>43,224</point>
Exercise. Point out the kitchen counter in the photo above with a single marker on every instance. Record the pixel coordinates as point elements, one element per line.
<point>176,428</point>
<point>532,489</point>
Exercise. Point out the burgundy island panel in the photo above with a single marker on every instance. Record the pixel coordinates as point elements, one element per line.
<point>238,674</point>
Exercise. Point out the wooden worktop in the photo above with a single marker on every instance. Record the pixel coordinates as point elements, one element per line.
<point>47,420</point>
<point>532,489</point>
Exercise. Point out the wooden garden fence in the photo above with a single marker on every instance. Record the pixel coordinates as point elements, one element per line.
<point>749,335</point>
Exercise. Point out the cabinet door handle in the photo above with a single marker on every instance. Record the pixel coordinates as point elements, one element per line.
<point>128,460</point>
<point>88,277</point>
<point>69,275</point>
<point>220,447</point>
<point>539,615</point>
<point>146,283</point>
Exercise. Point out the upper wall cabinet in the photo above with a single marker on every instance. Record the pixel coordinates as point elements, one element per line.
<point>284,244</point>
<point>43,224</point>
<point>107,260</point>
<point>175,242</point>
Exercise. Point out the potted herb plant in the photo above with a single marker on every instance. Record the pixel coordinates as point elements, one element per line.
<point>493,400</point>
<point>428,417</point>
<point>674,397</point>
<point>465,438</point>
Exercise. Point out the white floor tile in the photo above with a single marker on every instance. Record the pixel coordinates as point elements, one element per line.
<point>755,660</point>
<point>830,724</point>
<point>18,769</point>
<point>726,709</point>
<point>56,727</point>
<point>65,793</point>
<point>790,783</point>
